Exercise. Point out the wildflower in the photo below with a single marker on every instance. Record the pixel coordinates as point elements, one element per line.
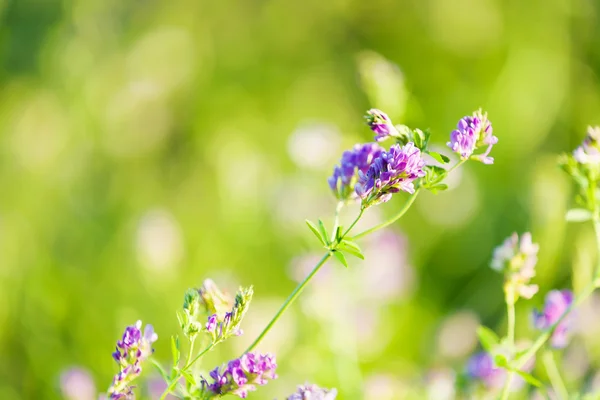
<point>381,124</point>
<point>131,351</point>
<point>241,375</point>
<point>391,172</point>
<point>211,325</point>
<point>313,392</point>
<point>345,175</point>
<point>589,151</point>
<point>230,324</point>
<point>556,304</point>
<point>517,259</point>
<point>481,367</point>
<point>473,132</point>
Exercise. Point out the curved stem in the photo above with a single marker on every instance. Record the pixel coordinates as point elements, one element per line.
<point>554,374</point>
<point>396,217</point>
<point>362,210</point>
<point>289,301</point>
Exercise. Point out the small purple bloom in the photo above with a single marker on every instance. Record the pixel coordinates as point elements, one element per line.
<point>211,325</point>
<point>471,133</point>
<point>132,350</point>
<point>481,367</point>
<point>517,259</point>
<point>557,303</point>
<point>381,124</point>
<point>313,392</point>
<point>242,375</point>
<point>344,177</point>
<point>391,172</point>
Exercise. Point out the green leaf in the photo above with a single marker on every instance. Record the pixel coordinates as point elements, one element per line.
<point>529,378</point>
<point>341,258</point>
<point>160,369</point>
<point>338,234</point>
<point>349,244</point>
<point>323,231</point>
<point>175,350</point>
<point>501,361</point>
<point>314,230</point>
<point>188,377</point>
<point>439,157</point>
<point>355,253</point>
<point>578,215</point>
<point>439,187</point>
<point>487,338</point>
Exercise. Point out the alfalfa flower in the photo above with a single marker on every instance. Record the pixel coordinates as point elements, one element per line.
<point>473,132</point>
<point>133,348</point>
<point>230,324</point>
<point>213,300</point>
<point>390,173</point>
<point>240,376</point>
<point>313,392</point>
<point>517,259</point>
<point>381,124</point>
<point>589,151</point>
<point>345,175</point>
<point>481,367</point>
<point>557,303</point>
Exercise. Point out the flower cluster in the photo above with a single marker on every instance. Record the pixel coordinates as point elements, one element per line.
<point>241,375</point>
<point>344,177</point>
<point>391,172</point>
<point>213,300</point>
<point>517,259</point>
<point>473,132</point>
<point>589,151</point>
<point>131,351</point>
<point>556,304</point>
<point>230,325</point>
<point>381,124</point>
<point>313,392</point>
<point>481,367</point>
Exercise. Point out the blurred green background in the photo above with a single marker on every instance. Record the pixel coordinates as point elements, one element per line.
<point>147,145</point>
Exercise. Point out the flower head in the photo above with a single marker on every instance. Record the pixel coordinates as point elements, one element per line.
<point>517,259</point>
<point>241,375</point>
<point>133,348</point>
<point>345,175</point>
<point>556,304</point>
<point>481,367</point>
<point>589,151</point>
<point>391,172</point>
<point>381,124</point>
<point>313,392</point>
<point>213,301</point>
<point>473,132</point>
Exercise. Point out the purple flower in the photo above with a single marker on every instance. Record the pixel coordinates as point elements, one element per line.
<point>391,172</point>
<point>242,375</point>
<point>211,325</point>
<point>381,124</point>
<point>517,259</point>
<point>471,133</point>
<point>589,151</point>
<point>344,177</point>
<point>481,367</point>
<point>132,350</point>
<point>77,384</point>
<point>556,304</point>
<point>313,392</point>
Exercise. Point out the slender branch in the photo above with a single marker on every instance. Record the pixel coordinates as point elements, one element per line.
<point>289,300</point>
<point>554,374</point>
<point>362,210</point>
<point>396,217</point>
<point>188,364</point>
<point>510,309</point>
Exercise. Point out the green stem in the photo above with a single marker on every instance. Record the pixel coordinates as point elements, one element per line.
<point>396,217</point>
<point>289,300</point>
<point>188,364</point>
<point>458,164</point>
<point>336,221</point>
<point>362,210</point>
<point>553,373</point>
<point>510,309</point>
